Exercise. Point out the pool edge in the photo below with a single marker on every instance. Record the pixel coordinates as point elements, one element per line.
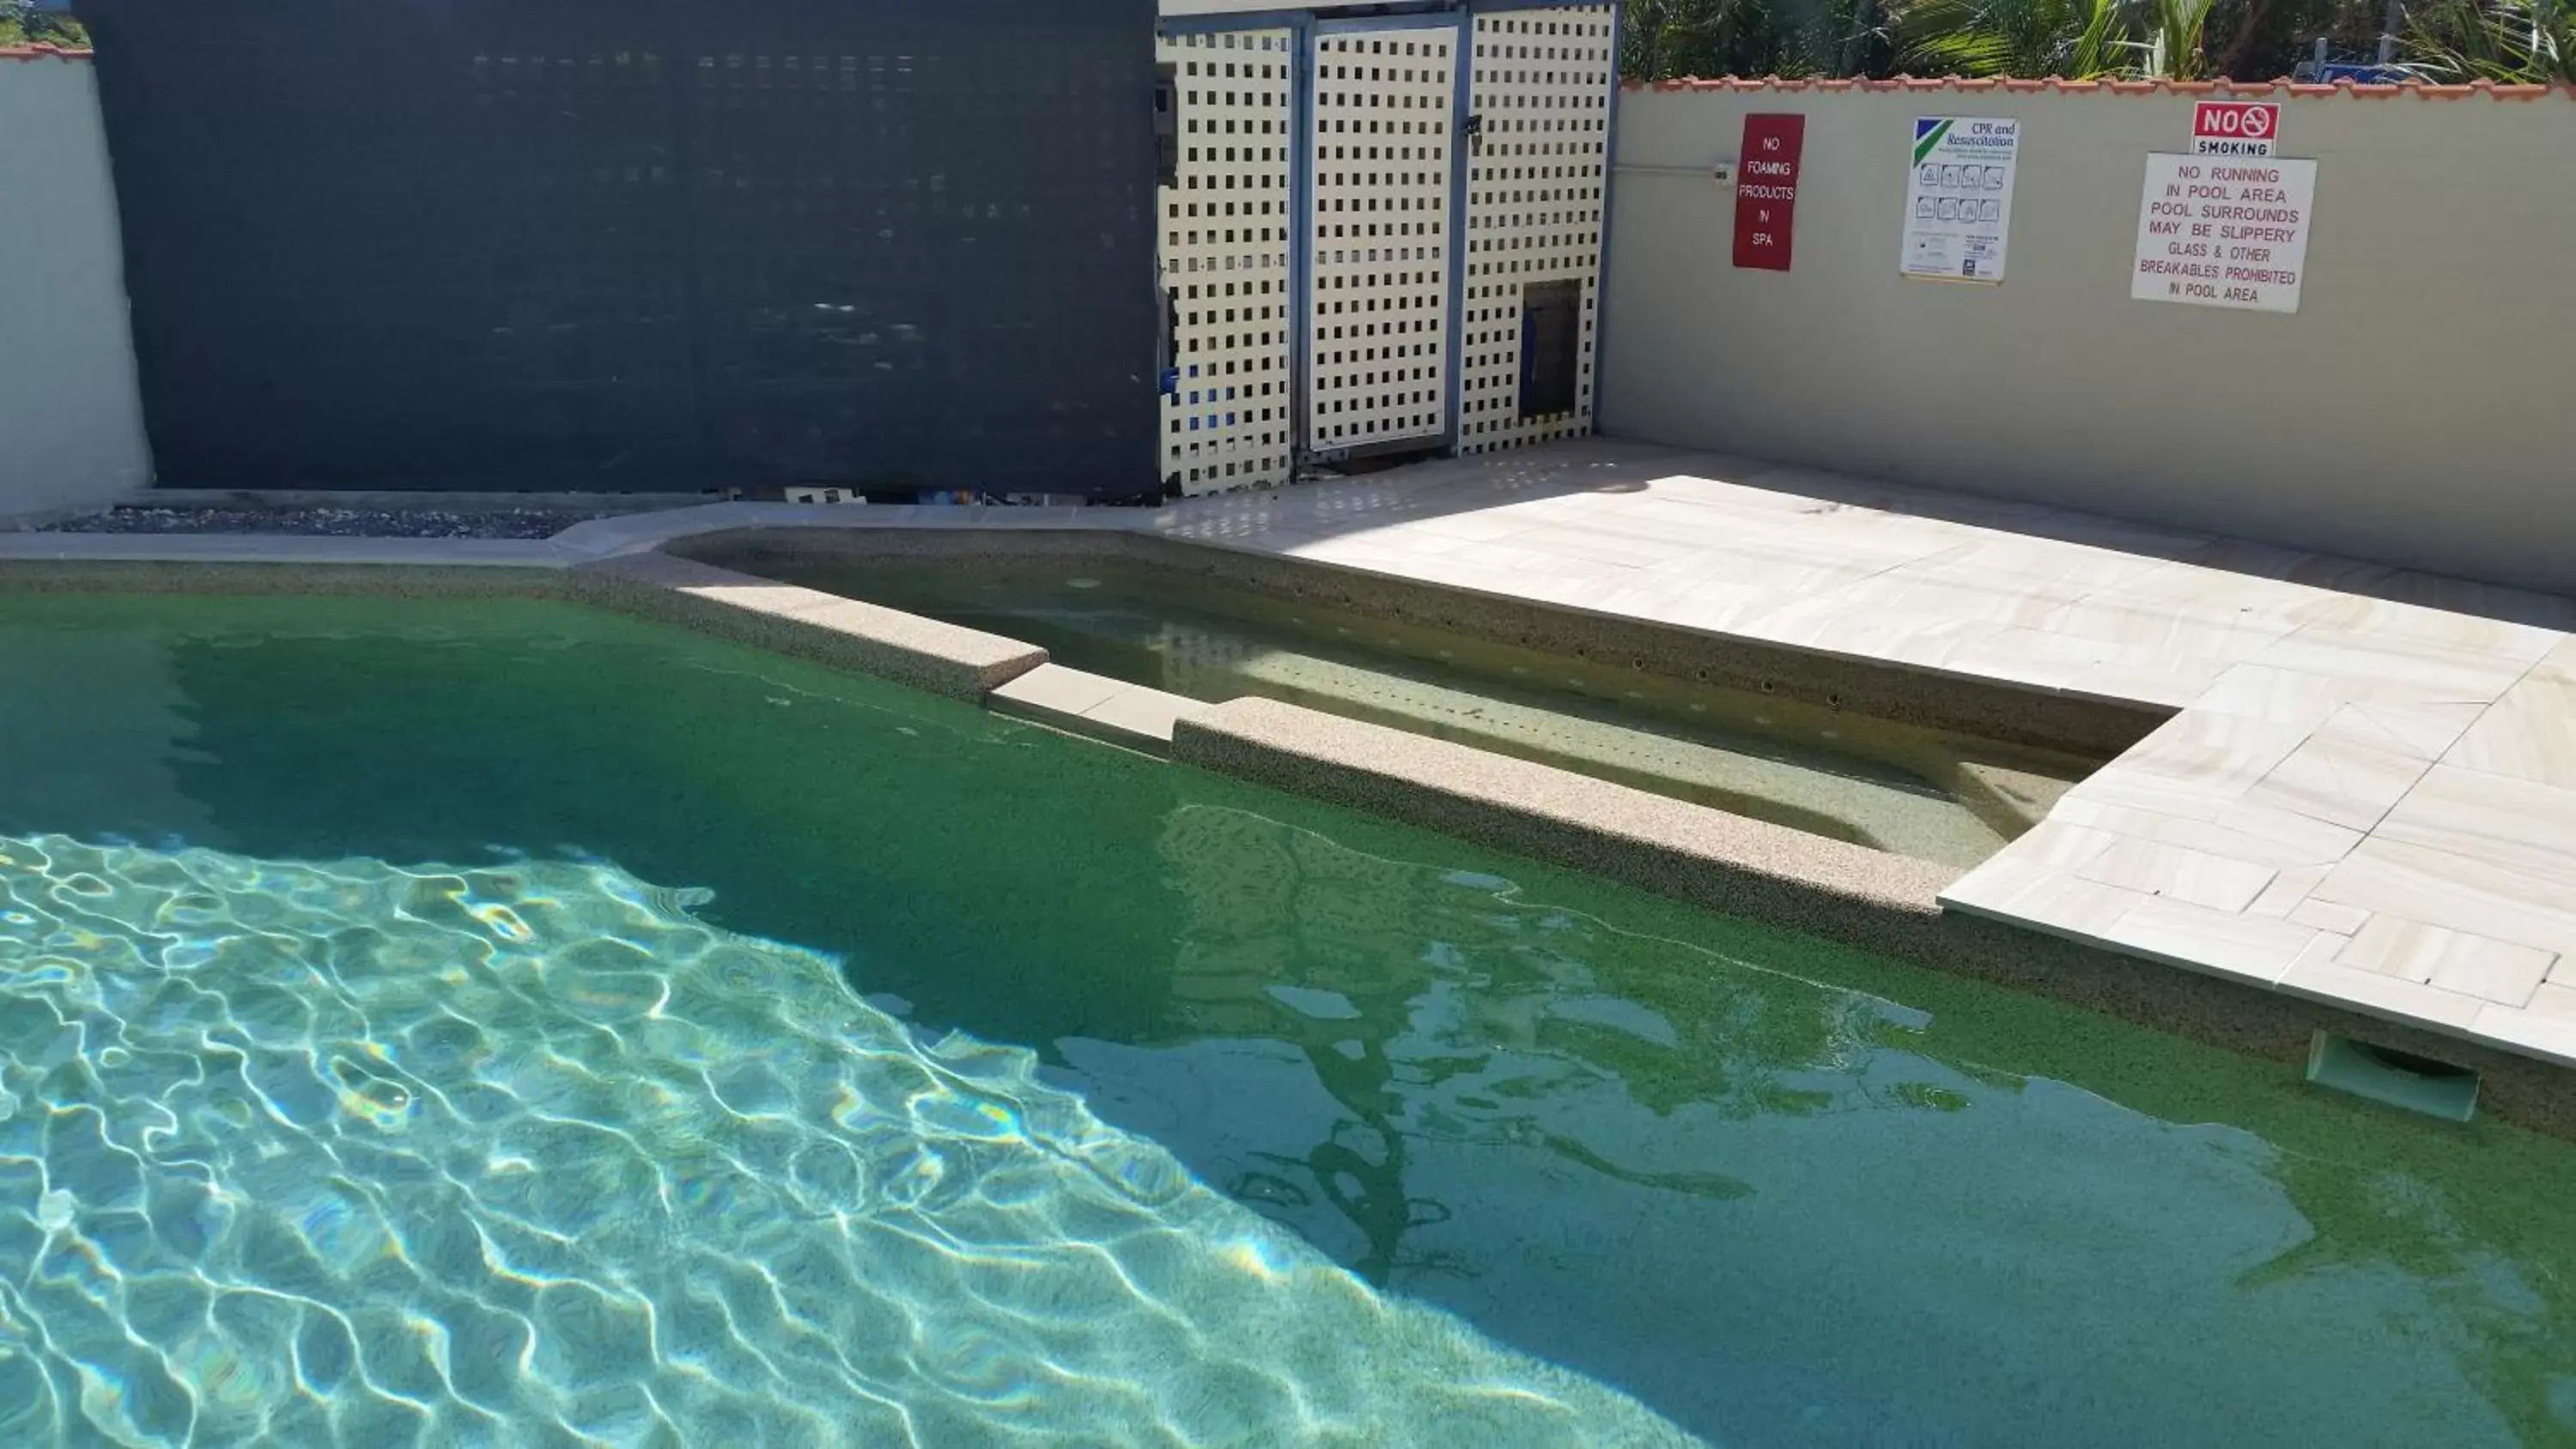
<point>1891,915</point>
<point>1771,875</point>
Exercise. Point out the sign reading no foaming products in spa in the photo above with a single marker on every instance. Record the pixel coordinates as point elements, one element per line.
<point>1766,190</point>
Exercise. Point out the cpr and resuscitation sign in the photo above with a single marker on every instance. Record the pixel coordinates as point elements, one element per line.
<point>1958,197</point>
<point>2234,128</point>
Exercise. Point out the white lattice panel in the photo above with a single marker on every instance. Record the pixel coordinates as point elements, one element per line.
<point>1541,89</point>
<point>1376,370</point>
<point>1225,253</point>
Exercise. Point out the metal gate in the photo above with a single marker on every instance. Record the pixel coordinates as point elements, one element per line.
<point>1377,366</point>
<point>1534,202</point>
<point>1224,223</point>
<point>1418,271</point>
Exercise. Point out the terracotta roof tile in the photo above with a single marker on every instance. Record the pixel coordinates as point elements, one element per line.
<point>40,52</point>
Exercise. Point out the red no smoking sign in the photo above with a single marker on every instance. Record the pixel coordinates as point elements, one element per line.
<point>2234,128</point>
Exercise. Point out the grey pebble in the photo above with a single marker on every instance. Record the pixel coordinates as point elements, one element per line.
<point>337,522</point>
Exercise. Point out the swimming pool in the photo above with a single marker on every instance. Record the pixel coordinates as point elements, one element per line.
<point>446,1020</point>
<point>1929,793</point>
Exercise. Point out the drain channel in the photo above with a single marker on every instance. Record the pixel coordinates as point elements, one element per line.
<point>2396,1078</point>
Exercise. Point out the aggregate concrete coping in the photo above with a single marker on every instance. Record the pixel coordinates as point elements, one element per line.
<point>906,648</point>
<point>1729,863</point>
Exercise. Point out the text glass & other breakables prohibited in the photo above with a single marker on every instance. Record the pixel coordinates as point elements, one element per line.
<point>1766,190</point>
<point>2235,128</point>
<point>2215,231</point>
<point>1958,197</point>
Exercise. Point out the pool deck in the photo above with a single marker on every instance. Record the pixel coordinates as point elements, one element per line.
<point>2365,797</point>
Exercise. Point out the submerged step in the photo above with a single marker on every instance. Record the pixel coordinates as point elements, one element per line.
<point>1924,793</point>
<point>1865,812</point>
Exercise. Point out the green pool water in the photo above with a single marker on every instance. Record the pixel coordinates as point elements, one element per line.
<point>501,1022</point>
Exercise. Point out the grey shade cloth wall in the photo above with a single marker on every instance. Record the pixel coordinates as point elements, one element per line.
<point>625,244</point>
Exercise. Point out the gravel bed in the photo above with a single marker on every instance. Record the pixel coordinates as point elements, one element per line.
<point>339,522</point>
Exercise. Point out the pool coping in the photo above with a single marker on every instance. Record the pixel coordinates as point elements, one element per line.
<point>1705,857</point>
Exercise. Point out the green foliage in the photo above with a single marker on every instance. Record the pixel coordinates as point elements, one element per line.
<point>2075,39</point>
<point>2506,41</point>
<point>2070,39</point>
<point>2176,39</point>
<point>1663,39</point>
<point>2178,46</point>
<point>21,23</point>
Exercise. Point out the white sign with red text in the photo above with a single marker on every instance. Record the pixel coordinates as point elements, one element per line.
<point>2235,128</point>
<point>2217,231</point>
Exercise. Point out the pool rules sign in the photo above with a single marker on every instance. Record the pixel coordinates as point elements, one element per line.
<point>2223,231</point>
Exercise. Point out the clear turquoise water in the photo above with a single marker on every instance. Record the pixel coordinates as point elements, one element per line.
<point>504,1023</point>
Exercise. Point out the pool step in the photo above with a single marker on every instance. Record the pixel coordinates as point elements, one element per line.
<point>1092,705</point>
<point>2010,800</point>
<point>1860,809</point>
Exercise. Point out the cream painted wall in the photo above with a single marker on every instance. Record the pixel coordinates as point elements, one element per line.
<point>71,421</point>
<point>2419,408</point>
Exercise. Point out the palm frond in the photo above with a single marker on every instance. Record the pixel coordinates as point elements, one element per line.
<point>2181,39</point>
<point>2075,39</point>
<point>2098,48</point>
<point>2506,41</point>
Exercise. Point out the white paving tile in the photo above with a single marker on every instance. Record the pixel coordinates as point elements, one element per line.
<point>2288,892</point>
<point>2056,901</point>
<point>2250,833</point>
<point>2418,731</point>
<point>2559,665</point>
<point>1054,689</point>
<point>2059,845</point>
<point>2184,874</point>
<point>2434,675</point>
<point>2328,916</point>
<point>2341,784</point>
<point>2442,889</point>
<point>2517,823</point>
<point>2386,996</point>
<point>2216,753</point>
<point>2454,960</point>
<point>2220,943</point>
<point>2532,1033</point>
<point>2529,734</point>
<point>2554,998</point>
<point>1143,714</point>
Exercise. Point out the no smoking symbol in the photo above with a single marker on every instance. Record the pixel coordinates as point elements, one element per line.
<point>2257,122</point>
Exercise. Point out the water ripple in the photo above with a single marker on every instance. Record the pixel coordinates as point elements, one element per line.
<point>351,1154</point>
